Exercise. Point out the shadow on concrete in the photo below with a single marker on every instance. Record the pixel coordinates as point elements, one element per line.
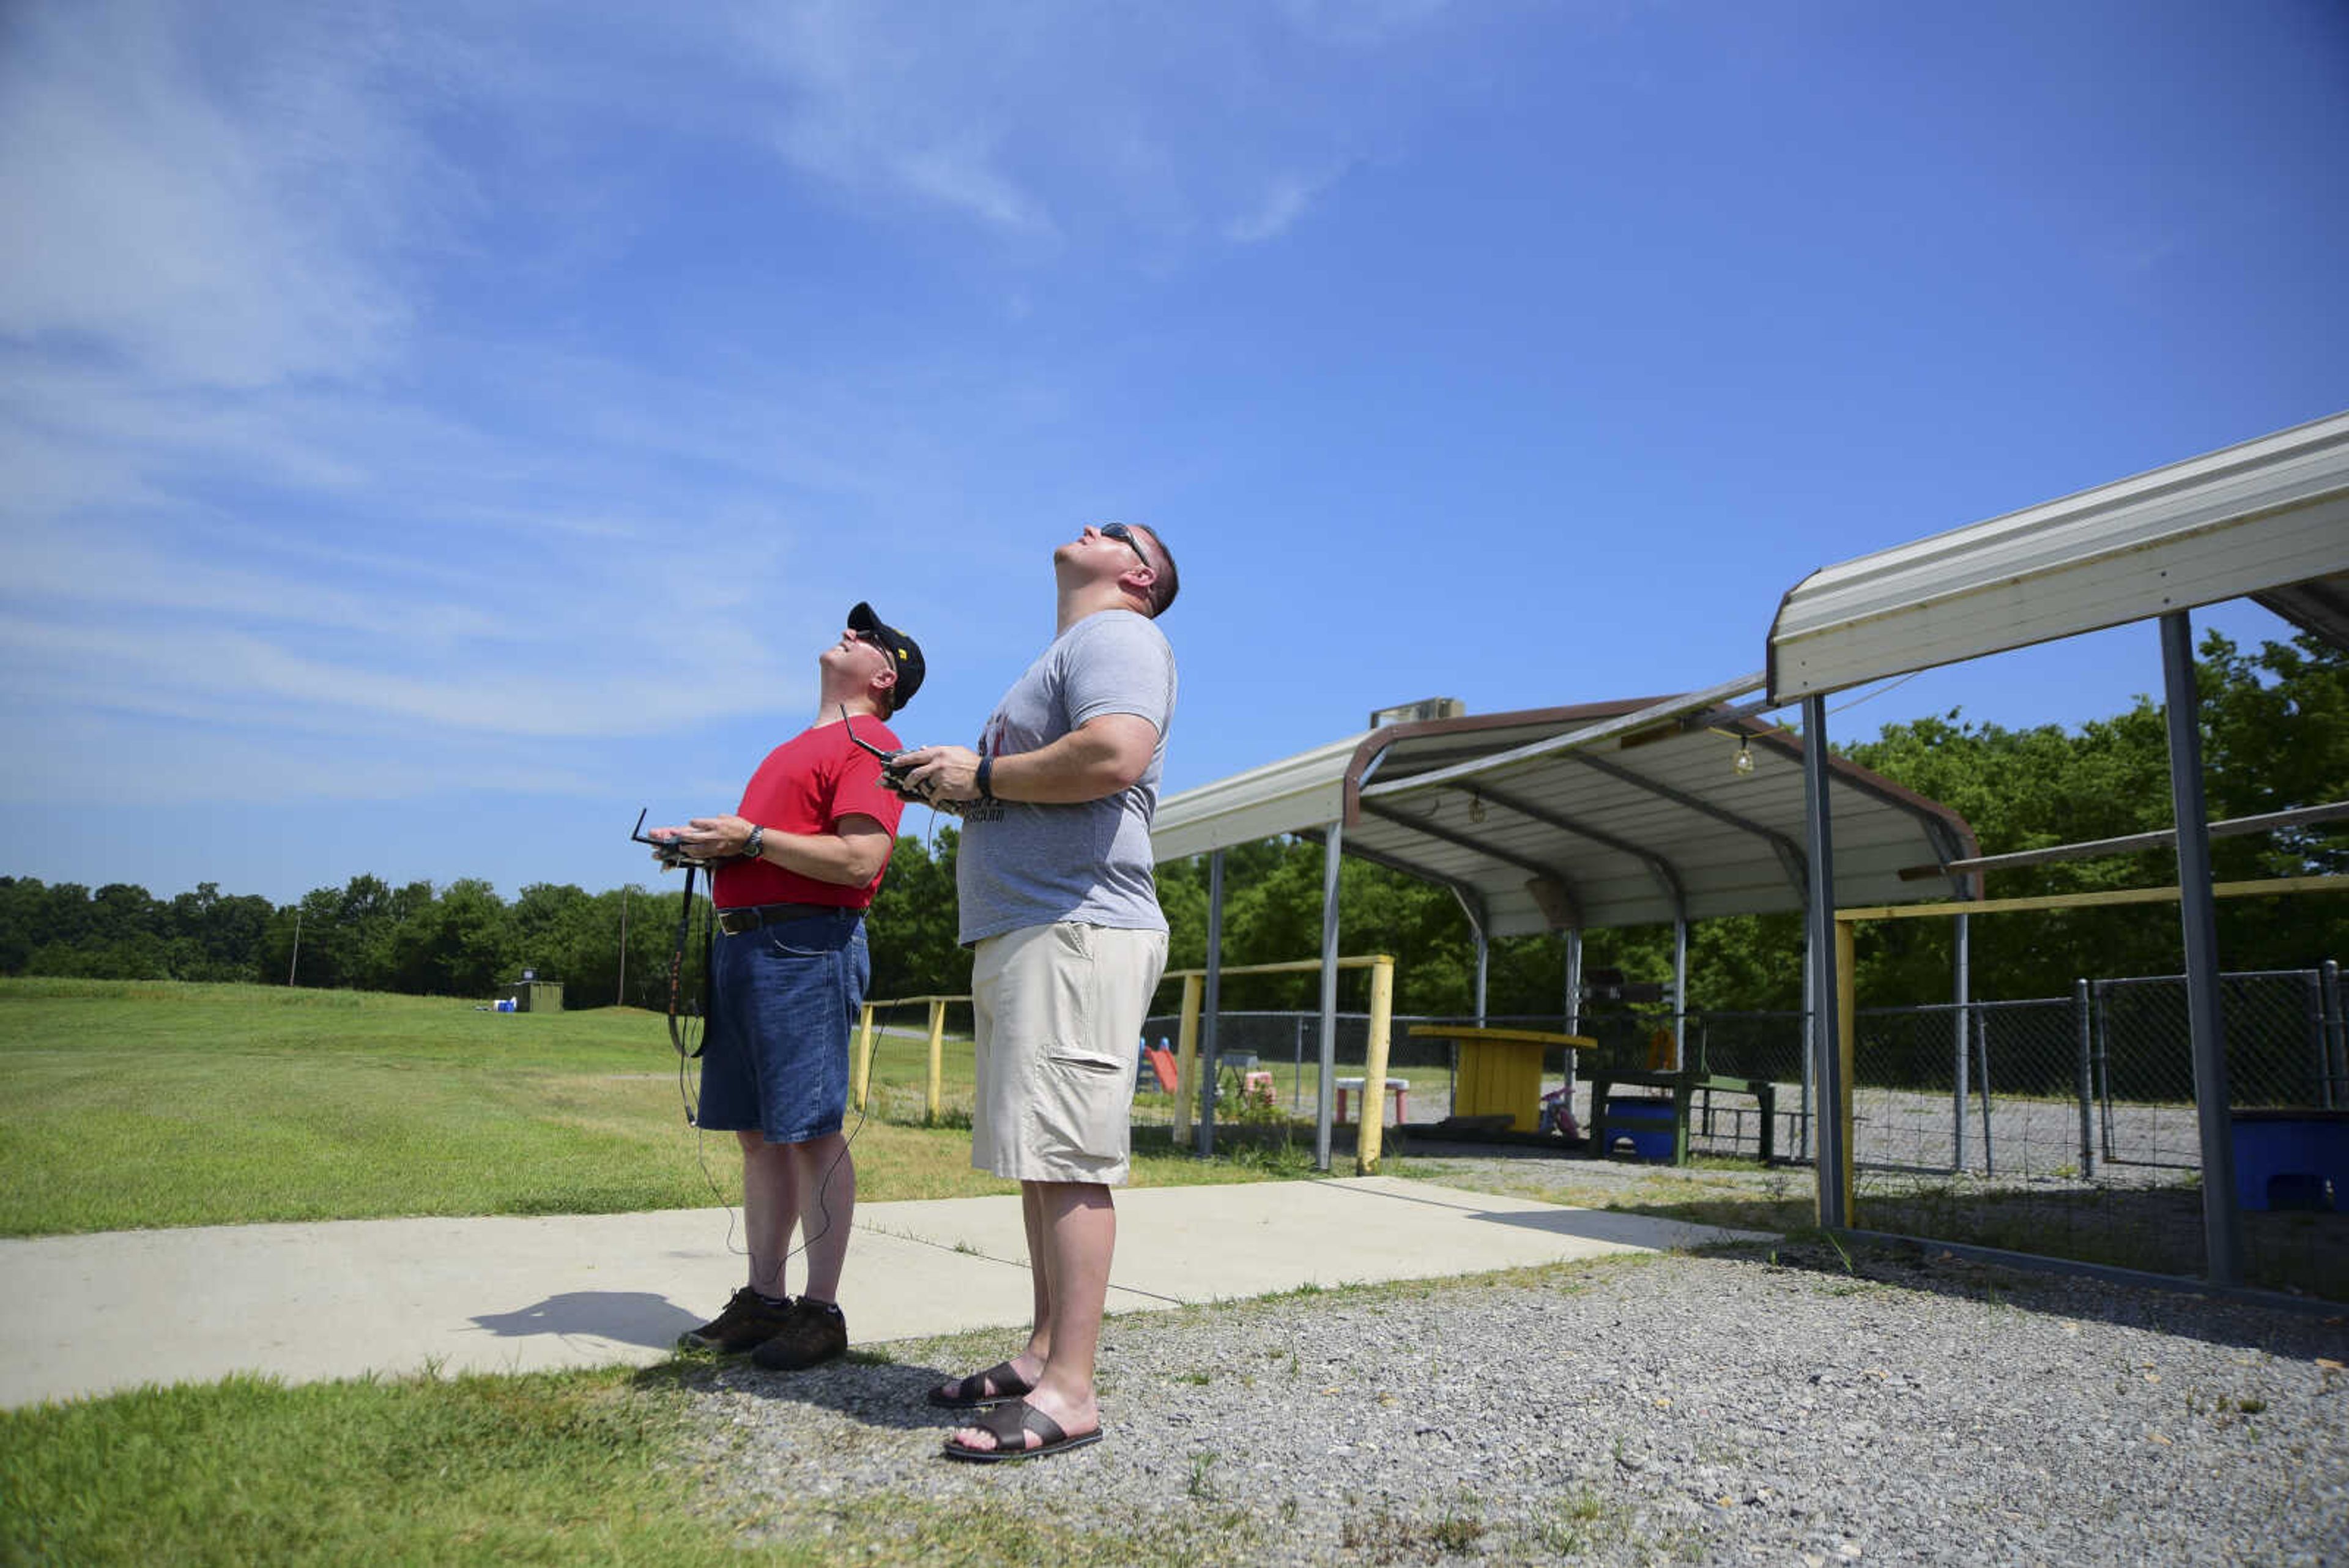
<point>629,1317</point>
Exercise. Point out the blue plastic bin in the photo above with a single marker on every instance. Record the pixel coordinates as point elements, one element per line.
<point>1650,1125</point>
<point>2291,1159</point>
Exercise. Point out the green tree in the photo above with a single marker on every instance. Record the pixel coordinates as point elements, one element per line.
<point>912,930</point>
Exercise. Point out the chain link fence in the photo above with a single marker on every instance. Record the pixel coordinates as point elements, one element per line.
<point>2065,1126</point>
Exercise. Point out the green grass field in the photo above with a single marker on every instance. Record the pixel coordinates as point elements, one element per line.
<point>126,1105</point>
<point>135,1105</point>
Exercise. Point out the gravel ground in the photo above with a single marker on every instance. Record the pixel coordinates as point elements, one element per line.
<point>1770,1406</point>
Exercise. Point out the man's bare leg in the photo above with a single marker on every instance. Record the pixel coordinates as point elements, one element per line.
<point>1078,1225</point>
<point>1040,1280</point>
<point>770,1209</point>
<point>824,1177</point>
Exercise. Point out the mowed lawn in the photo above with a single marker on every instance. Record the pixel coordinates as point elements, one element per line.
<point>132,1104</point>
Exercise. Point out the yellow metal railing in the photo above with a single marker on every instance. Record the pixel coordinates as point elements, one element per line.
<point>1374,1066</point>
<point>861,1075</point>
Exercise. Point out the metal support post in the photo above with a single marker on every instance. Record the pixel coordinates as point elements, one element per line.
<point>1371,1127</point>
<point>934,1105</point>
<point>863,1079</point>
<point>1827,1022</point>
<point>1325,1092</point>
<point>2087,1084</point>
<point>1573,1008</point>
<point>1680,993</point>
<point>1483,970</point>
<point>1211,1005</point>
<point>2198,916</point>
<point>1802,1141</point>
<point>1186,1055</point>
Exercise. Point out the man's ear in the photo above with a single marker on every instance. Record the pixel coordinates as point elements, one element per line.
<point>883,681</point>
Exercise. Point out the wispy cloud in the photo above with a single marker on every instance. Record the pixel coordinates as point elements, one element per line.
<point>1066,121</point>
<point>270,488</point>
<point>1285,199</point>
<point>207,228</point>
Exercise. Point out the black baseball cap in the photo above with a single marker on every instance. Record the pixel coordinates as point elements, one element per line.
<point>903,651</point>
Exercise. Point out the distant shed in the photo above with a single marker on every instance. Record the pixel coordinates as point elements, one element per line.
<point>534,995</point>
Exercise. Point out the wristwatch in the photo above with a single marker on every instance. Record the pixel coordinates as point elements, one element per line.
<point>755,842</point>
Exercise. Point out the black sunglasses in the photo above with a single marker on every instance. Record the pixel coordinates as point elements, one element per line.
<point>1124,536</point>
<point>874,640</point>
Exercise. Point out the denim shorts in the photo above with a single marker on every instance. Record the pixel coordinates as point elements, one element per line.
<point>783,1006</point>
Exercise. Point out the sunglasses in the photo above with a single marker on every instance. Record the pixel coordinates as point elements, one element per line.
<point>874,640</point>
<point>1124,536</point>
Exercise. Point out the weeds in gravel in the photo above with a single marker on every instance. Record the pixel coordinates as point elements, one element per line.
<point>1577,1523</point>
<point>1386,1536</point>
<point>1460,1527</point>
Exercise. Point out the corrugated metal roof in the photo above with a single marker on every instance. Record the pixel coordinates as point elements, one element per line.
<point>2260,516</point>
<point>1611,813</point>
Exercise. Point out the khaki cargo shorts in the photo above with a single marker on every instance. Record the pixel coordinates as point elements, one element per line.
<point>1056,1015</point>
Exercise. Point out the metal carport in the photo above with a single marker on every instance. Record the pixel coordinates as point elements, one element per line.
<point>1566,819</point>
<point>2268,518</point>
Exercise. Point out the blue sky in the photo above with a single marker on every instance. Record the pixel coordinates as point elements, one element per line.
<point>433,432</point>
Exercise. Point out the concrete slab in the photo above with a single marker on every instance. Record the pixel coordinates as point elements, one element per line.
<point>89,1315</point>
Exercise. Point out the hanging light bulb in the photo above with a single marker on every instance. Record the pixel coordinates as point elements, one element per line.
<point>1741,764</point>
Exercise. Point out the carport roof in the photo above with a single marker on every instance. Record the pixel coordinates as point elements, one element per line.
<point>1589,816</point>
<point>2266,518</point>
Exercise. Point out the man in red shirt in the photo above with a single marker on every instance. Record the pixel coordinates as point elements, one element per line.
<point>797,866</point>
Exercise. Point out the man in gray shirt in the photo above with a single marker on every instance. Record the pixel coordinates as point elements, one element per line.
<point>1061,911</point>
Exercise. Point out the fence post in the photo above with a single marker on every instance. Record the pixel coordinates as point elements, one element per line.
<point>2320,1035</point>
<point>1982,1040</point>
<point>864,1054</point>
<point>2101,994</point>
<point>2336,1029</point>
<point>1186,1053</point>
<point>2087,1084</point>
<point>938,1060</point>
<point>1964,1034</point>
<point>1847,961</point>
<point>1373,1124</point>
<point>1803,1144</point>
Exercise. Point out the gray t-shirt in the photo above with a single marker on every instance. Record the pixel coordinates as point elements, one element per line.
<point>1026,865</point>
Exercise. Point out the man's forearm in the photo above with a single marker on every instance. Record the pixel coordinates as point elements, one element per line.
<point>824,856</point>
<point>1087,764</point>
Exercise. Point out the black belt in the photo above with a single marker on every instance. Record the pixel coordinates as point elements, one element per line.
<point>751,917</point>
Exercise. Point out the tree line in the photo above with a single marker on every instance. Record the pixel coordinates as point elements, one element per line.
<point>2275,735</point>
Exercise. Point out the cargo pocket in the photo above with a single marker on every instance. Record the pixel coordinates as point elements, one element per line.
<point>1081,1108</point>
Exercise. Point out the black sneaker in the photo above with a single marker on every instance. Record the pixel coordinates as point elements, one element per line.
<point>814,1331</point>
<point>749,1319</point>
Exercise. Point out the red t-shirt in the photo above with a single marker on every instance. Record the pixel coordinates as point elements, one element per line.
<point>806,786</point>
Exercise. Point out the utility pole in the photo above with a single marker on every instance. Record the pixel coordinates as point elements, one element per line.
<point>297,960</point>
<point>621,995</point>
